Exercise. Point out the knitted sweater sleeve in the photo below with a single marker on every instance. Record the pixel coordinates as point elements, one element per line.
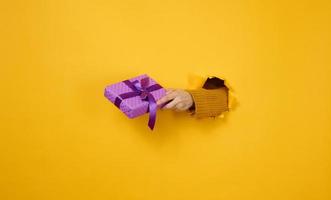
<point>209,102</point>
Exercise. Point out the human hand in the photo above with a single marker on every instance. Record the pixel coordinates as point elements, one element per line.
<point>176,99</point>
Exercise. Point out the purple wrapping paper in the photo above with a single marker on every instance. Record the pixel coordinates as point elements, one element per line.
<point>134,106</point>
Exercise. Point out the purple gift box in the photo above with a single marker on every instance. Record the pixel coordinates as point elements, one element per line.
<point>136,96</point>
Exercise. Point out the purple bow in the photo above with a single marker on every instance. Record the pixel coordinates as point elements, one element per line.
<point>141,88</point>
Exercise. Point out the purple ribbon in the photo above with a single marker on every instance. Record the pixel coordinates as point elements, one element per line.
<point>141,88</point>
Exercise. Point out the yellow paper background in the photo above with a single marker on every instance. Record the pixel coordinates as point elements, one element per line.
<point>61,139</point>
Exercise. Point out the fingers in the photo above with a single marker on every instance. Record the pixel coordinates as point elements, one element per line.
<point>172,104</point>
<point>169,90</point>
<point>169,96</point>
<point>180,106</point>
<point>176,99</point>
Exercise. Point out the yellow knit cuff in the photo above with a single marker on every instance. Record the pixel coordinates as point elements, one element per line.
<point>196,82</point>
<point>209,102</point>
